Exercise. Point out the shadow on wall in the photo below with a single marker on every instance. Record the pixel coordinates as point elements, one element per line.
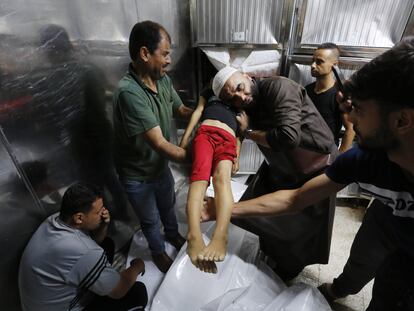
<point>54,116</point>
<point>21,215</point>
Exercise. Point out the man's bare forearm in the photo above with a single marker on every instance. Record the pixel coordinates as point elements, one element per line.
<point>272,204</point>
<point>127,279</point>
<point>171,151</point>
<point>285,202</point>
<point>162,146</point>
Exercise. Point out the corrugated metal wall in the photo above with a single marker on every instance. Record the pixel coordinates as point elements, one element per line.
<point>371,23</point>
<point>237,21</point>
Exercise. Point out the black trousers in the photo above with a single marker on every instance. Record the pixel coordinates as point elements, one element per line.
<point>393,287</point>
<point>383,248</point>
<point>374,241</point>
<point>136,298</point>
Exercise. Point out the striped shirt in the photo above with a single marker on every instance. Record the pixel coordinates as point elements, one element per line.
<point>61,268</point>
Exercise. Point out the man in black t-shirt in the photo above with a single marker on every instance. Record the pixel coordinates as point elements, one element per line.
<point>382,112</point>
<point>323,93</point>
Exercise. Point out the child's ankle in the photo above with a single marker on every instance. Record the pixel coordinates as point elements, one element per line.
<point>220,236</point>
<point>193,236</point>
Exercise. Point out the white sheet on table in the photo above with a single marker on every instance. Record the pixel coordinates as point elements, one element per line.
<point>237,189</point>
<point>243,282</point>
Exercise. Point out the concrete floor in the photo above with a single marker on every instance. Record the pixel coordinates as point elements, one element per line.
<point>346,224</point>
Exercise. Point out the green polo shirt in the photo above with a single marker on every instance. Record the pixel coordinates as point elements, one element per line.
<point>138,109</point>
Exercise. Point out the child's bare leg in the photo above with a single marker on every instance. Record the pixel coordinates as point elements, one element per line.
<point>216,249</point>
<point>194,204</point>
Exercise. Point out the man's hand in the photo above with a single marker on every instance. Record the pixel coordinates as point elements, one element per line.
<point>106,217</point>
<point>138,264</point>
<point>99,233</point>
<point>243,120</point>
<point>128,278</point>
<point>208,212</point>
<point>156,139</point>
<point>184,112</point>
<point>345,104</point>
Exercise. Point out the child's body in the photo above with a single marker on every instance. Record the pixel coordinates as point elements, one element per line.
<point>215,153</point>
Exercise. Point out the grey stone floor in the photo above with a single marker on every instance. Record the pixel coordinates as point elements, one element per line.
<point>346,224</point>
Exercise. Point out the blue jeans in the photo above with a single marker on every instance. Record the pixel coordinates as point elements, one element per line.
<point>154,200</point>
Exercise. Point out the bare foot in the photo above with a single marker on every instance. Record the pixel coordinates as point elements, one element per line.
<point>215,250</point>
<point>194,247</point>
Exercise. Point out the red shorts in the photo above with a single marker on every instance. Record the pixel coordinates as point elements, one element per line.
<point>210,146</point>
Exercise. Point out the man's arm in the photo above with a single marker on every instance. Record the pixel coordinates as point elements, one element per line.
<point>284,202</point>
<point>184,112</point>
<point>259,137</point>
<point>157,141</point>
<point>284,99</point>
<point>128,278</point>
<point>349,134</point>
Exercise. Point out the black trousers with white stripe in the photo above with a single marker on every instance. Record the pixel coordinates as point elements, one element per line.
<point>136,298</point>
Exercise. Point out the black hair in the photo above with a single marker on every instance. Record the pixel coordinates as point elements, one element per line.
<point>148,34</point>
<point>388,79</point>
<point>55,37</point>
<point>79,198</point>
<point>330,46</point>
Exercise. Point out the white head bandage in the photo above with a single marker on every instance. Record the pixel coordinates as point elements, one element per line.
<point>221,78</point>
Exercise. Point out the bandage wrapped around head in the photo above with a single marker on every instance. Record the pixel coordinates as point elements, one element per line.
<point>220,79</point>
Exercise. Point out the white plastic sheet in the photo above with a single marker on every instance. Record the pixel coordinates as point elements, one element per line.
<point>243,281</point>
<point>258,63</point>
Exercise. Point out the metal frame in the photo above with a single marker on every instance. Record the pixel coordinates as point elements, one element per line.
<point>4,141</point>
<point>192,22</point>
<point>307,60</point>
<point>347,51</point>
<point>409,28</point>
<point>288,24</point>
<point>241,45</point>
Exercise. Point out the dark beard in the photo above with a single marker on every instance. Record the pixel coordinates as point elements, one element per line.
<point>383,139</point>
<point>255,95</point>
<point>255,89</point>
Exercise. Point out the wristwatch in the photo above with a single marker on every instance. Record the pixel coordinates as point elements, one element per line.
<point>247,132</point>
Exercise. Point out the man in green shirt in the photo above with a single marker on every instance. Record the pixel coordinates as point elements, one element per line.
<point>144,104</point>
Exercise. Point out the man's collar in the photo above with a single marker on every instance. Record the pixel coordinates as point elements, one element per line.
<point>135,76</point>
